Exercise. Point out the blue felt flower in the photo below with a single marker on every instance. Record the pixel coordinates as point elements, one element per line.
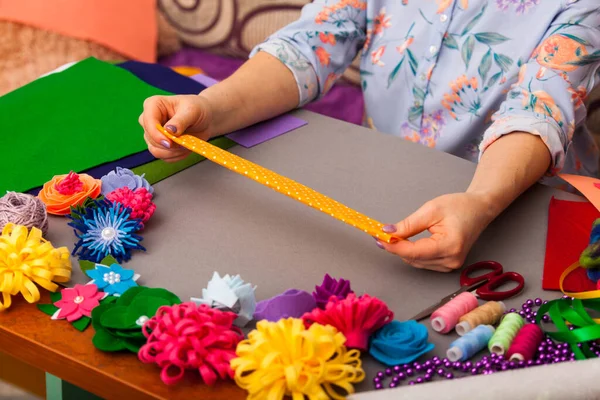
<point>105,230</point>
<point>113,279</point>
<point>123,177</point>
<point>400,342</point>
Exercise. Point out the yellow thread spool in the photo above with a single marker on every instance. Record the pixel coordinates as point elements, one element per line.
<point>281,184</point>
<point>487,314</point>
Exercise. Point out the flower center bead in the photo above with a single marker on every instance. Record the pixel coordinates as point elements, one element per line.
<point>141,320</point>
<point>78,300</point>
<point>112,277</point>
<point>108,233</point>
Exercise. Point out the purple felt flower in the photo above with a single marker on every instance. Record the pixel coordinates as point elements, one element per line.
<point>331,287</point>
<point>292,303</point>
<point>123,177</point>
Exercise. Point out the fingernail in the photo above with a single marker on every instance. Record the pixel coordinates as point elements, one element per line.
<point>389,228</point>
<point>171,128</point>
<point>378,243</point>
<point>165,144</point>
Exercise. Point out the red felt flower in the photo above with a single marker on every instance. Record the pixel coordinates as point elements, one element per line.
<point>187,336</point>
<point>356,317</point>
<point>78,301</point>
<point>138,200</point>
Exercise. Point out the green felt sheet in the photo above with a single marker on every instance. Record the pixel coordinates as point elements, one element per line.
<point>82,117</point>
<point>156,171</point>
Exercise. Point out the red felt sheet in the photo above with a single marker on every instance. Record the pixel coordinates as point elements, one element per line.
<point>569,227</point>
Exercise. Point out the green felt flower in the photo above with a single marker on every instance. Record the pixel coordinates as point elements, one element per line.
<point>118,324</point>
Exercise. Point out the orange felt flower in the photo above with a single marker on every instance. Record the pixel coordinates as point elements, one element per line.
<point>558,51</point>
<point>64,191</point>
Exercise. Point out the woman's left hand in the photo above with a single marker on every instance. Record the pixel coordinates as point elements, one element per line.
<point>455,221</point>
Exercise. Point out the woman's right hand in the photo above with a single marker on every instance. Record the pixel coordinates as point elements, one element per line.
<point>190,114</point>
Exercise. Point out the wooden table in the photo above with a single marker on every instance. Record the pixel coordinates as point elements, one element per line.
<point>278,243</point>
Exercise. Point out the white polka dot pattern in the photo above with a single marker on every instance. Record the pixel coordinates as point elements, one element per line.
<point>282,185</point>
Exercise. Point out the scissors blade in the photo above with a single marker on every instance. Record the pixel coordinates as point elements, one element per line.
<point>427,312</point>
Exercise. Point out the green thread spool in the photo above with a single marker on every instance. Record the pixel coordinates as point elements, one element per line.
<point>506,332</point>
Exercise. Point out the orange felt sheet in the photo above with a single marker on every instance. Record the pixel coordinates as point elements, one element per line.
<point>128,27</point>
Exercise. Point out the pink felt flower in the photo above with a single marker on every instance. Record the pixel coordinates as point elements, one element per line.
<point>356,317</point>
<point>138,200</point>
<point>78,301</point>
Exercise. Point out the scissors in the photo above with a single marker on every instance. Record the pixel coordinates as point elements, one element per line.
<point>482,285</point>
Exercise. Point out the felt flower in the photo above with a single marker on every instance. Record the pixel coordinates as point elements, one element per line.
<point>400,342</point>
<point>113,279</point>
<point>77,302</point>
<point>286,358</point>
<point>331,287</point>
<point>139,201</point>
<point>66,191</point>
<point>27,259</point>
<point>291,303</point>
<point>123,177</point>
<point>356,317</point>
<point>118,321</point>
<point>190,337</point>
<point>106,230</point>
<point>230,293</point>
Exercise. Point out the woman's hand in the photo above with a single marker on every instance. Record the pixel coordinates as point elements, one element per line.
<point>455,221</point>
<point>191,114</point>
<point>507,168</point>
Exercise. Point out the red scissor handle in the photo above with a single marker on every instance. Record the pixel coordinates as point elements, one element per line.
<point>494,267</point>
<point>488,292</point>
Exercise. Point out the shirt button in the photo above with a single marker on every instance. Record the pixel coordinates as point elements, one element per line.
<point>423,77</point>
<point>417,103</point>
<point>432,49</point>
<point>443,17</point>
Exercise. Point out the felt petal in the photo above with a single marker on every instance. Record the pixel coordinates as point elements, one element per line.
<point>104,341</point>
<point>88,291</point>
<point>116,317</point>
<point>74,316</point>
<point>66,310</point>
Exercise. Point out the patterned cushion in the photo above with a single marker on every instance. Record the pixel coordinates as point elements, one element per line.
<point>233,27</point>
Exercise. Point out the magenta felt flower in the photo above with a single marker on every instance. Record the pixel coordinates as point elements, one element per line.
<point>78,301</point>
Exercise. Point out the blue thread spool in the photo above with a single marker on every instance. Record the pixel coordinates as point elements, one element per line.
<point>473,341</point>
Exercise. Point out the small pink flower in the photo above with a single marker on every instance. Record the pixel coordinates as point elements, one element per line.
<point>78,301</point>
<point>71,184</point>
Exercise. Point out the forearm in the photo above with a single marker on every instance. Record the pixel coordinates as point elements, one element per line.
<point>260,89</point>
<point>507,168</point>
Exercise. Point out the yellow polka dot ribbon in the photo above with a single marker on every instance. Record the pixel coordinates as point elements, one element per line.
<point>283,185</point>
<point>285,358</point>
<point>27,259</point>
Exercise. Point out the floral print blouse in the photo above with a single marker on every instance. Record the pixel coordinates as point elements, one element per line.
<point>456,75</point>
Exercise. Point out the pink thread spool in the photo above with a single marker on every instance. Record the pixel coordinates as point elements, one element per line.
<point>445,318</point>
<point>525,344</point>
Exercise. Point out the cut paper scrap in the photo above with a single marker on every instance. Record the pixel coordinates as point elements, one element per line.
<point>589,187</point>
<point>283,185</point>
<point>292,303</point>
<point>230,293</point>
<point>569,227</point>
<point>104,103</point>
<point>127,27</point>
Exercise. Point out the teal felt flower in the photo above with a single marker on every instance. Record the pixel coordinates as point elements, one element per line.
<point>114,279</point>
<point>400,342</point>
<point>118,324</point>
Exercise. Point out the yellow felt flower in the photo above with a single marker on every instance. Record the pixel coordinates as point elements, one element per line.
<point>26,259</point>
<point>285,358</point>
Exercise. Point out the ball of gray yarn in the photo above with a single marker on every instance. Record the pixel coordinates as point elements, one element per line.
<point>23,209</point>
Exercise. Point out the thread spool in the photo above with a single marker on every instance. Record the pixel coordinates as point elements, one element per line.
<point>487,314</point>
<point>506,332</point>
<point>23,209</point>
<point>526,342</point>
<point>445,318</point>
<point>467,346</point>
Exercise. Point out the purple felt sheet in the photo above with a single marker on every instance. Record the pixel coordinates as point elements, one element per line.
<point>261,132</point>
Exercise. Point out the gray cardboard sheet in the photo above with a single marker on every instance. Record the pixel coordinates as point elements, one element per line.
<point>211,219</point>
